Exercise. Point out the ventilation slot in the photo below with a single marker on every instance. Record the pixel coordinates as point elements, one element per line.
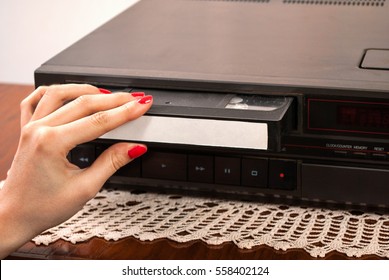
<point>367,3</point>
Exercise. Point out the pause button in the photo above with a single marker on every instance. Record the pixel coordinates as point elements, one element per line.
<point>227,171</point>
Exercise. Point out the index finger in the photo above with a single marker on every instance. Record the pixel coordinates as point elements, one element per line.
<point>55,97</point>
<point>93,126</point>
<point>46,99</point>
<point>28,104</point>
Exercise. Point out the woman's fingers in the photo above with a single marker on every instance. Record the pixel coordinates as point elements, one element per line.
<point>46,100</point>
<point>91,127</point>
<point>55,97</point>
<point>86,105</point>
<point>28,105</point>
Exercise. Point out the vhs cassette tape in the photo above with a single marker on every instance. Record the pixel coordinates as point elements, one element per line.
<point>210,120</point>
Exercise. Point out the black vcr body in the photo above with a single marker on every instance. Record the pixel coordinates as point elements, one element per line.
<point>252,99</point>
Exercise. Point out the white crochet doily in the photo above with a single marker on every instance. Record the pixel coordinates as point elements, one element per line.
<point>115,214</point>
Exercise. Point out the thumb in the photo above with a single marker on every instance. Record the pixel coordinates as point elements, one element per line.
<point>109,162</point>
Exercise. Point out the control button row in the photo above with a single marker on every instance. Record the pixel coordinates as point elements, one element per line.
<point>251,172</point>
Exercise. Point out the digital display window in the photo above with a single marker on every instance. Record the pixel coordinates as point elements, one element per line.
<point>362,117</point>
<point>347,116</point>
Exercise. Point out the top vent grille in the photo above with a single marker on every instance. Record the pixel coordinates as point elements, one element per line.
<point>367,3</point>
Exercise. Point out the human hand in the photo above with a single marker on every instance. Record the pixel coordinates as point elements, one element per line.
<point>43,188</point>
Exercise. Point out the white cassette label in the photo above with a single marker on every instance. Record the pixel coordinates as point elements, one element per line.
<point>199,132</point>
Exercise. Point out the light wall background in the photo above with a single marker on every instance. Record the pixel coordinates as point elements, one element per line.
<point>33,31</point>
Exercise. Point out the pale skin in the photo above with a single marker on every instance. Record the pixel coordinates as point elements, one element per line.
<point>43,189</point>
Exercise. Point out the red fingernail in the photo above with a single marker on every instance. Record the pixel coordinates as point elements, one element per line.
<point>137,151</point>
<point>105,91</point>
<point>137,94</point>
<point>145,100</point>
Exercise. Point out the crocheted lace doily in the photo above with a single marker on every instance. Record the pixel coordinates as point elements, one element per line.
<point>115,214</point>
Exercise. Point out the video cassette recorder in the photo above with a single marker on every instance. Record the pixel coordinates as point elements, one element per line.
<point>254,99</point>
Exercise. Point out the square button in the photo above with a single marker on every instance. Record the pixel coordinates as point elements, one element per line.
<point>227,171</point>
<point>376,59</point>
<point>254,172</point>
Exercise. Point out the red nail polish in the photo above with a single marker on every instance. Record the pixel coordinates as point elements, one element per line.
<point>105,91</point>
<point>137,94</point>
<point>145,100</point>
<point>137,151</point>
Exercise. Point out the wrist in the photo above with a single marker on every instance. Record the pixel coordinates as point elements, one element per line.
<point>14,230</point>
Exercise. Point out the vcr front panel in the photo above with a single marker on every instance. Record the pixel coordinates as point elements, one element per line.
<point>240,174</point>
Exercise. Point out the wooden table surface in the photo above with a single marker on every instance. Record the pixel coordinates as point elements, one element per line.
<point>128,248</point>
